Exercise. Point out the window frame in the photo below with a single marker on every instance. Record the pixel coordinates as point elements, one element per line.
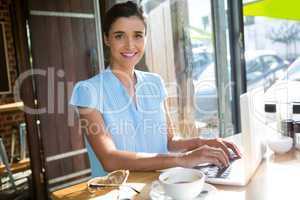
<point>237,61</point>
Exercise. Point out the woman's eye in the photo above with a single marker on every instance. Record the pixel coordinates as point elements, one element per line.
<point>118,36</point>
<point>139,36</point>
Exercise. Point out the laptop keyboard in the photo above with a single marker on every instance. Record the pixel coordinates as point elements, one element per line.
<point>213,171</point>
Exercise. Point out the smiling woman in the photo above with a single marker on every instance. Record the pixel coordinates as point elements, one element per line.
<point>124,111</point>
<point>4,73</point>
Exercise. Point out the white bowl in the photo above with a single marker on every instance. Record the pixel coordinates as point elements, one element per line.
<point>182,183</point>
<point>280,144</point>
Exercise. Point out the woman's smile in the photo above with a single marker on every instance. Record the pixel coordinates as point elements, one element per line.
<point>129,55</point>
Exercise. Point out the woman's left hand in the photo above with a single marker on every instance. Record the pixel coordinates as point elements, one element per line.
<point>223,144</point>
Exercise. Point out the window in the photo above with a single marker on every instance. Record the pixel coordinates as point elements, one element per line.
<point>181,48</point>
<point>276,42</point>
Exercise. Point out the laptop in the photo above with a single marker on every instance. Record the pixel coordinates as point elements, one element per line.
<point>250,142</point>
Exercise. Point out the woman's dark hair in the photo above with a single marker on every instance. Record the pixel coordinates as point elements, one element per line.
<point>127,9</point>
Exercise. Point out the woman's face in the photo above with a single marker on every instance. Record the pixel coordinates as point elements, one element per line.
<point>126,40</point>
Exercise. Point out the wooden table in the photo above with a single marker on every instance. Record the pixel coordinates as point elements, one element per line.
<point>277,177</point>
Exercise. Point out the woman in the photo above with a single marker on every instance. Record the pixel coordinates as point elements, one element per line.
<point>124,113</point>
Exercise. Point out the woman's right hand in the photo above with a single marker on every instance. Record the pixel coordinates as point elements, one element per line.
<point>205,154</point>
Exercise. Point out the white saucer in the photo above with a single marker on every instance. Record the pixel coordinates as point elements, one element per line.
<point>157,192</point>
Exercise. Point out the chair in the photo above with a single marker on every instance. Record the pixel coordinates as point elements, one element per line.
<point>16,186</point>
<point>4,159</point>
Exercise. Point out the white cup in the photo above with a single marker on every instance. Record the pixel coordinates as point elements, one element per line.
<point>280,144</point>
<point>182,183</point>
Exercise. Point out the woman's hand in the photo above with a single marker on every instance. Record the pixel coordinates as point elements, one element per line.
<point>205,154</point>
<point>224,145</point>
<point>214,151</point>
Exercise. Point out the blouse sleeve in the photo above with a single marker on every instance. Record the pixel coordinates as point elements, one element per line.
<point>86,95</point>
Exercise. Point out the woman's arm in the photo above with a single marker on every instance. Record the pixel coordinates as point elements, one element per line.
<point>93,126</point>
<point>113,159</point>
<point>184,145</point>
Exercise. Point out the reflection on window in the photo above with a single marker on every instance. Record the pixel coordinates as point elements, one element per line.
<point>276,44</point>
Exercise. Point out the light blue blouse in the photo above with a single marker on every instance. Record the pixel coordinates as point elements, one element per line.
<point>136,127</point>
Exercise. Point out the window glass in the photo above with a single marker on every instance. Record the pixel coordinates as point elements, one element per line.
<point>270,62</point>
<point>204,74</point>
<point>254,69</point>
<point>276,41</point>
<point>180,48</point>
